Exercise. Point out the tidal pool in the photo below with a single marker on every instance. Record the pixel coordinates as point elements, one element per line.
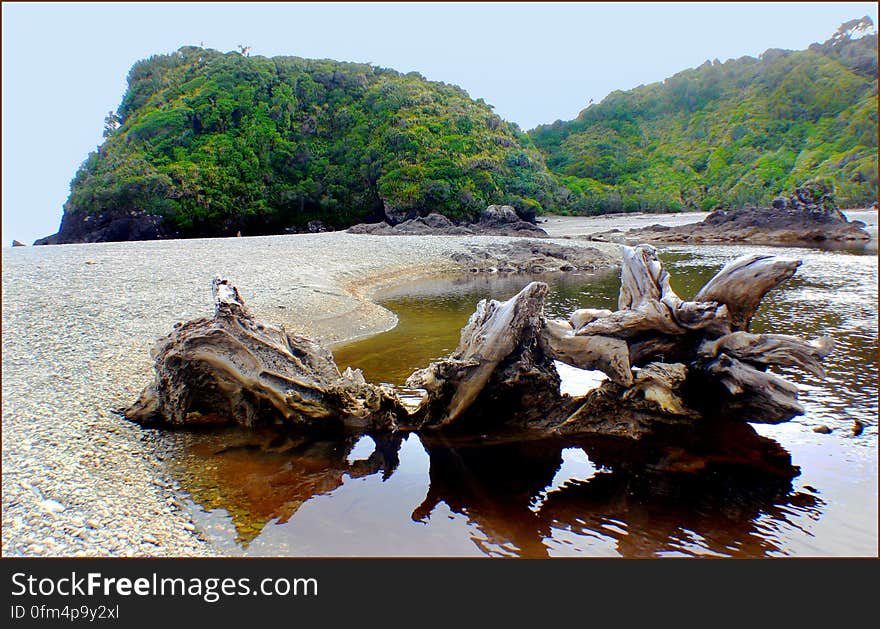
<point>264,493</point>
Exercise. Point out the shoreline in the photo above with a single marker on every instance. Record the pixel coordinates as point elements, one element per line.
<point>79,320</point>
<point>78,323</point>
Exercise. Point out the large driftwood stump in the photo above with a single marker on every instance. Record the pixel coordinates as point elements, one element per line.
<point>499,351</point>
<point>669,362</point>
<point>231,367</point>
<point>717,370</point>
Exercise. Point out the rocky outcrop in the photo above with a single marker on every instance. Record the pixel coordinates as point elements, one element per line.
<point>431,224</point>
<point>496,220</point>
<point>16,243</point>
<point>106,227</point>
<point>808,216</point>
<point>531,256</point>
<point>670,363</point>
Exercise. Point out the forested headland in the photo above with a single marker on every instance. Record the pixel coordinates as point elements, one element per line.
<point>206,143</point>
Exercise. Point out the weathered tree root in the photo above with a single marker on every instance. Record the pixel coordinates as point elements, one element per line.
<point>669,362</point>
<point>233,367</point>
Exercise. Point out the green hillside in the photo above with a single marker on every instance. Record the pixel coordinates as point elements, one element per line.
<point>730,134</point>
<point>216,143</point>
<point>209,144</point>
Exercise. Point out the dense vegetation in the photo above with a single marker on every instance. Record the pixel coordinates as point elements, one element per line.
<point>217,143</point>
<point>728,134</point>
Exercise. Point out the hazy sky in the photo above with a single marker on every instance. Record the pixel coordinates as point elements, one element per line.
<point>64,65</point>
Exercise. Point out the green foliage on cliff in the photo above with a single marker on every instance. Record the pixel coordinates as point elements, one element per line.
<point>731,134</point>
<point>217,143</point>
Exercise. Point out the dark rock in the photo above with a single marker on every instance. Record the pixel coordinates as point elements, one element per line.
<point>499,215</point>
<point>437,221</point>
<point>48,240</point>
<point>823,430</point>
<point>106,227</point>
<point>393,216</point>
<point>316,227</point>
<point>370,228</point>
<point>809,215</point>
<point>16,243</point>
<point>503,220</point>
<point>432,224</point>
<point>495,220</point>
<point>857,428</point>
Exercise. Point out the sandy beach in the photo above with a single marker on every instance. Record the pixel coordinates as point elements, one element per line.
<point>78,323</point>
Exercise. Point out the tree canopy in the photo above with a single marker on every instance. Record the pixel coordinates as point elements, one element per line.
<point>216,143</point>
<point>729,134</point>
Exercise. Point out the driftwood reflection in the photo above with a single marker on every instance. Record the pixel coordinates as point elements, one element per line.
<point>704,495</point>
<point>262,476</point>
<point>708,493</point>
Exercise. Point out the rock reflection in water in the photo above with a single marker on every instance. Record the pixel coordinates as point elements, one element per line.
<point>710,494</point>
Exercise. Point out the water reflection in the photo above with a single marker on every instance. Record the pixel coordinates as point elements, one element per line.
<point>432,313</point>
<point>259,477</point>
<point>711,494</point>
<point>731,493</point>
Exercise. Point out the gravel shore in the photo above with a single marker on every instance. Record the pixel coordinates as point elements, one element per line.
<point>78,322</point>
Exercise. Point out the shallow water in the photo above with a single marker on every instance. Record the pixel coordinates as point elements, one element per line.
<point>807,494</point>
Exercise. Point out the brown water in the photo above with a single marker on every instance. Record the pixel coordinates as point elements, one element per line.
<point>790,491</point>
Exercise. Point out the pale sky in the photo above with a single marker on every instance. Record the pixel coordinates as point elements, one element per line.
<point>64,65</point>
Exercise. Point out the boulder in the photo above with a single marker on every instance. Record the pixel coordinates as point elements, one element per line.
<point>499,215</point>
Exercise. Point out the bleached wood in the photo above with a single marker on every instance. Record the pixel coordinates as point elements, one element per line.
<point>771,349</point>
<point>742,283</point>
<point>603,353</point>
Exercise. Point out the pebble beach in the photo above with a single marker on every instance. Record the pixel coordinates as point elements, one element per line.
<point>78,323</point>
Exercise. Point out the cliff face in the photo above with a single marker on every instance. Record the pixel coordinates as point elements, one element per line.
<point>212,144</point>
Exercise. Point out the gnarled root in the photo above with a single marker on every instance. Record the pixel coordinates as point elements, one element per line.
<point>231,367</point>
<point>670,362</point>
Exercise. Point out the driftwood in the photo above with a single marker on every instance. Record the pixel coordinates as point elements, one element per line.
<point>742,284</point>
<point>647,303</point>
<point>233,366</point>
<point>497,331</point>
<point>602,353</point>
<point>771,349</point>
<point>670,362</point>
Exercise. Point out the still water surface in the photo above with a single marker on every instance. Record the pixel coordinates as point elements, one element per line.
<point>270,494</point>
